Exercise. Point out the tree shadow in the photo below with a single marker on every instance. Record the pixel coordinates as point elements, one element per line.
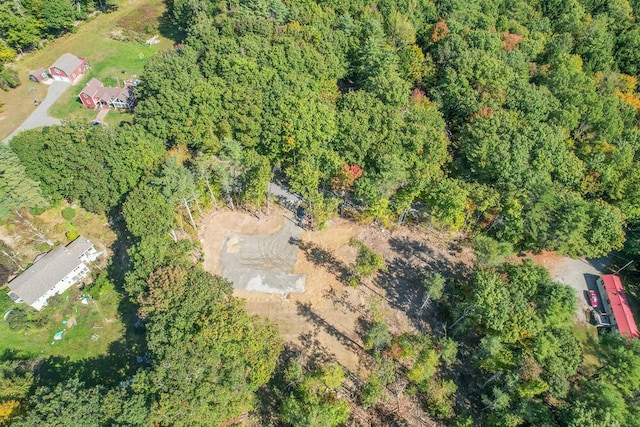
<point>323,258</point>
<point>339,300</point>
<point>271,394</point>
<point>168,28</point>
<point>402,279</point>
<point>315,353</point>
<point>304,309</point>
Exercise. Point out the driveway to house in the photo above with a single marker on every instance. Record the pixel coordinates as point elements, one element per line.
<point>580,274</point>
<point>40,117</point>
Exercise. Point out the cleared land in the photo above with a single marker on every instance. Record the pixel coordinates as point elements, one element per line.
<point>108,58</point>
<point>263,263</point>
<point>326,321</point>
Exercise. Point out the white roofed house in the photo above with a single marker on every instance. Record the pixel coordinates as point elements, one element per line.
<point>53,273</point>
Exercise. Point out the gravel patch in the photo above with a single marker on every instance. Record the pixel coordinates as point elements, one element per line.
<point>264,262</point>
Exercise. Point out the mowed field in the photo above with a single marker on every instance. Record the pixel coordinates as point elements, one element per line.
<point>110,59</point>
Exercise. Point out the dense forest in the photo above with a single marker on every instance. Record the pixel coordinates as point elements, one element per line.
<point>513,121</point>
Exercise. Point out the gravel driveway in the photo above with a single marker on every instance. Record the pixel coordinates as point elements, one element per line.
<point>39,117</point>
<point>580,274</point>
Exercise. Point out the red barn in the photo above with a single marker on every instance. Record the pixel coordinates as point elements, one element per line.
<point>615,302</point>
<point>68,68</point>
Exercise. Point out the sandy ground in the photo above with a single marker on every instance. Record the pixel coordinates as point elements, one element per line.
<point>216,227</point>
<point>323,320</point>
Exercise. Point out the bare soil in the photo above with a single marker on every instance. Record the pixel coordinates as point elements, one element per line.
<point>54,226</point>
<point>328,321</point>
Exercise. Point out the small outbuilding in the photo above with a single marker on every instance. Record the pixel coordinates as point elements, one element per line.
<point>39,76</point>
<point>54,273</point>
<point>69,68</point>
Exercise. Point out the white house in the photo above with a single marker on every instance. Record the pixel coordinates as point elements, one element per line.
<point>54,273</point>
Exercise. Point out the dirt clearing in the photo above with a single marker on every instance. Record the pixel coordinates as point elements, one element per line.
<point>327,320</point>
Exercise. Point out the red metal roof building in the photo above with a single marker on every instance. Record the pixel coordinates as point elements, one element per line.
<point>615,301</point>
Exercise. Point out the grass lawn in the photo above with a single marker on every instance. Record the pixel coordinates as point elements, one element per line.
<point>587,336</point>
<point>57,229</point>
<point>98,318</point>
<point>107,57</point>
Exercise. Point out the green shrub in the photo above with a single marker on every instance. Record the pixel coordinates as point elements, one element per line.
<point>68,213</point>
<point>100,286</point>
<point>72,235</point>
<point>8,78</point>
<point>368,262</point>
<point>17,319</point>
<point>439,398</point>
<point>353,281</point>
<point>372,391</point>
<point>490,251</point>
<point>378,337</point>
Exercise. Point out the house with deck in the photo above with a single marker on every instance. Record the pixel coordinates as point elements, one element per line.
<point>96,95</point>
<point>53,273</point>
<point>69,68</point>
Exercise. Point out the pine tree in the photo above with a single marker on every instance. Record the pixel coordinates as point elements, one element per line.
<point>17,190</point>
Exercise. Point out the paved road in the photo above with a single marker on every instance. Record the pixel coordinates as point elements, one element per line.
<point>39,117</point>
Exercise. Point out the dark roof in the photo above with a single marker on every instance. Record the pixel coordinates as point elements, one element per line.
<point>620,306</point>
<point>92,87</point>
<point>49,270</point>
<point>39,72</point>
<point>68,63</point>
<point>98,91</point>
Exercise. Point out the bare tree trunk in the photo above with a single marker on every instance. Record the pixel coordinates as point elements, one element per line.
<point>172,233</point>
<point>13,260</point>
<point>268,199</point>
<point>493,378</point>
<point>37,235</point>
<point>467,311</point>
<point>213,197</point>
<point>186,205</point>
<point>195,199</point>
<point>425,301</point>
<point>230,200</point>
